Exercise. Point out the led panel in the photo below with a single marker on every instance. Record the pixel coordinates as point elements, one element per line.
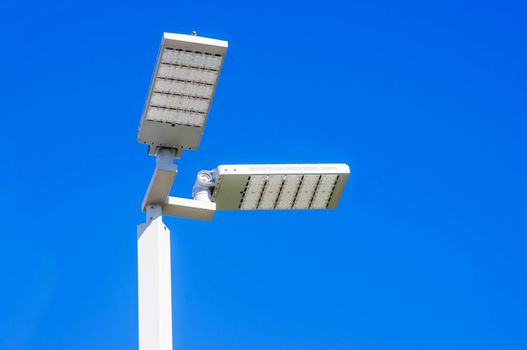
<point>288,192</point>
<point>279,186</point>
<point>181,91</point>
<point>306,191</point>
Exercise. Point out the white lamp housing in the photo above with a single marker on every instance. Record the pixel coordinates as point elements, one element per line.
<point>181,92</point>
<point>278,186</point>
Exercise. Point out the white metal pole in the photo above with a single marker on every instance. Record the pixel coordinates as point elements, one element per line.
<point>155,299</point>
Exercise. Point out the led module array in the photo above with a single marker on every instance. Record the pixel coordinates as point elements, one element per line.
<point>279,186</point>
<point>187,74</point>
<point>178,87</point>
<point>288,192</point>
<point>183,87</point>
<point>167,115</point>
<point>191,59</point>
<point>181,92</point>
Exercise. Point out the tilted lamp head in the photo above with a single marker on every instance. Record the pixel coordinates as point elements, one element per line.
<point>181,92</point>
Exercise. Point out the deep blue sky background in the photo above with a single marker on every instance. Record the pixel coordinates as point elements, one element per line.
<point>425,100</point>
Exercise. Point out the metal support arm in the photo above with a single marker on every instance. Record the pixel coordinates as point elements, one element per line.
<point>162,179</point>
<point>189,208</point>
<point>158,191</point>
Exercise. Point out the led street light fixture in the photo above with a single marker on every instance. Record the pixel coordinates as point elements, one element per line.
<point>181,91</point>
<point>278,186</point>
<point>179,99</point>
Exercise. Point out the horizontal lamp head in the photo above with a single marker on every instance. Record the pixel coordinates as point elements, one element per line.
<point>181,92</point>
<point>278,186</point>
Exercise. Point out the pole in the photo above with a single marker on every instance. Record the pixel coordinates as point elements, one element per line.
<point>155,292</point>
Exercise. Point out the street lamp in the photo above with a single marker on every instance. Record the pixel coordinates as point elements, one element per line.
<point>180,95</point>
<point>176,110</point>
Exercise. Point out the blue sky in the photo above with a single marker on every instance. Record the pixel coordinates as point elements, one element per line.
<point>424,100</point>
